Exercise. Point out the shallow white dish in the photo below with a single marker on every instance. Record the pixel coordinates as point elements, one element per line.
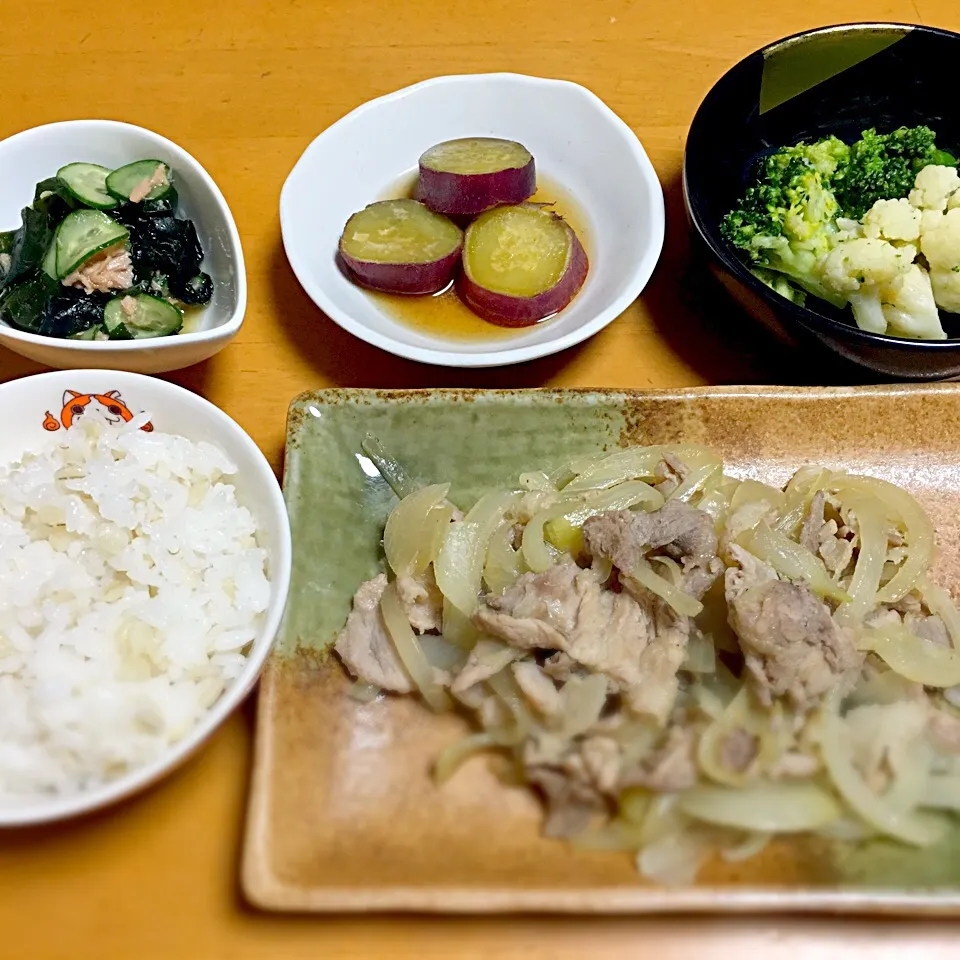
<point>38,402</point>
<point>31,156</point>
<point>578,142</point>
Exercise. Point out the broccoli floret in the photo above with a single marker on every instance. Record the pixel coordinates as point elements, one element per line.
<point>883,166</point>
<point>779,283</point>
<point>787,221</point>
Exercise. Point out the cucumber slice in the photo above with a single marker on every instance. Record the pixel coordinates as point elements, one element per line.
<point>83,234</point>
<point>122,182</point>
<point>144,318</point>
<point>49,262</point>
<point>88,183</point>
<point>89,334</point>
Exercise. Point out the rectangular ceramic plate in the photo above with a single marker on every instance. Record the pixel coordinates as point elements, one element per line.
<point>343,813</point>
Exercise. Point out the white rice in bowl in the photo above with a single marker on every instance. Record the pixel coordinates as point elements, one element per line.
<point>131,584</point>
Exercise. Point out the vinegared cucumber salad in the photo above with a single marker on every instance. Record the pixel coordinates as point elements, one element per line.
<point>102,255</point>
<point>469,222</point>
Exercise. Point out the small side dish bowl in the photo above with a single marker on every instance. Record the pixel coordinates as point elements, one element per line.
<point>48,405</point>
<point>834,80</point>
<point>37,153</point>
<point>580,145</point>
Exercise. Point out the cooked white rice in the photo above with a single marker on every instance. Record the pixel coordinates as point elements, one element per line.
<point>131,584</point>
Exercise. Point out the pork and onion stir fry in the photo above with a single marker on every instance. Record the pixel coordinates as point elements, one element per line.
<point>680,663</point>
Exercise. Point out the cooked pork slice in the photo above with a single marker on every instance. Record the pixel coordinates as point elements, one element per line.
<point>930,628</point>
<point>571,802</point>
<point>670,768</point>
<point>488,657</point>
<point>669,473</point>
<point>422,601</point>
<point>110,270</point>
<point>750,572</point>
<point>836,553</point>
<point>537,687</point>
<point>698,579</point>
<point>792,645</point>
<point>364,645</point>
<point>601,761</point>
<point>639,648</point>
<point>813,523</point>
<point>561,667</point>
<point>627,536</point>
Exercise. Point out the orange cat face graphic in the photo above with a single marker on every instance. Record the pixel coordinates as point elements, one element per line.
<point>105,407</point>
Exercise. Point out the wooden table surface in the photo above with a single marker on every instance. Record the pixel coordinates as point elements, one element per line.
<point>245,86</point>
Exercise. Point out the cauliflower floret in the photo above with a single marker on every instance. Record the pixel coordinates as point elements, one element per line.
<point>934,187</point>
<point>892,220</point>
<point>859,270</point>
<point>853,264</point>
<point>909,306</point>
<point>940,239</point>
<point>946,288</point>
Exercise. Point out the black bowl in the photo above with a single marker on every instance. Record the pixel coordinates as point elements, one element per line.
<point>838,80</point>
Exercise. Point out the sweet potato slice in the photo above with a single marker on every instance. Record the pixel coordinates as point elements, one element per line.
<point>462,178</point>
<point>521,264</point>
<point>399,246</point>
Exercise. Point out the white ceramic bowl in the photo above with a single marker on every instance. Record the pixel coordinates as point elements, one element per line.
<point>31,156</point>
<point>577,141</point>
<point>172,410</point>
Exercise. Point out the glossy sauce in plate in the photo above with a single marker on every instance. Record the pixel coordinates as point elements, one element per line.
<point>444,314</point>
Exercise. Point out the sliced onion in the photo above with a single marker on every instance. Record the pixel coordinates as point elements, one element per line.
<point>919,531</point>
<point>943,792</point>
<point>410,652</point>
<point>913,657</point>
<point>695,480</point>
<point>675,859</point>
<point>683,603</point>
<point>941,604</point>
<point>737,715</point>
<point>537,480</point>
<point>751,845</point>
<point>457,628</point>
<point>415,529</point>
<point>910,827</point>
<point>800,491</point>
<point>770,806</point>
<point>508,690</point>
<point>871,557</point>
<point>581,701</point>
<point>791,560</point>
<point>633,805</point>
<point>441,653</point>
<point>701,656</point>
<point>363,692</point>
<point>614,468</point>
<point>453,756</point>
<point>753,492</point>
<point>716,500</point>
<point>459,564</point>
<point>503,564</point>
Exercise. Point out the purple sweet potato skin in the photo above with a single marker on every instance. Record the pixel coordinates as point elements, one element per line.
<point>509,311</point>
<point>406,278</point>
<point>467,194</point>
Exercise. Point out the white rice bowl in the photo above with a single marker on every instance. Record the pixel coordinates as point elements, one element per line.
<point>132,585</point>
